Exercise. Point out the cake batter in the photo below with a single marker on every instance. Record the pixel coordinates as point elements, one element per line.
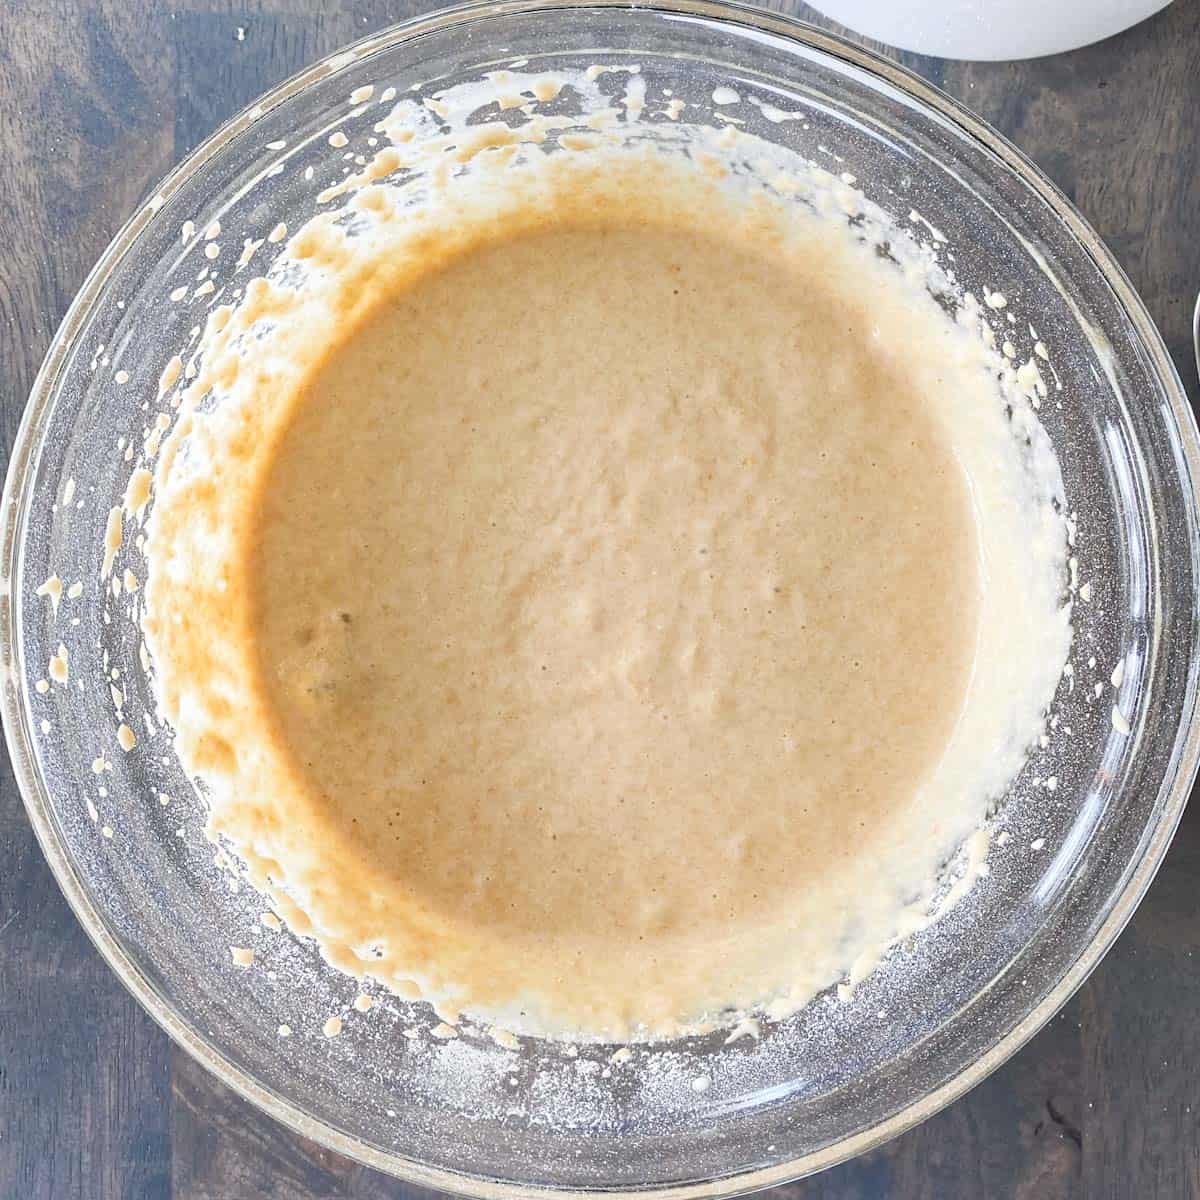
<point>601,629</point>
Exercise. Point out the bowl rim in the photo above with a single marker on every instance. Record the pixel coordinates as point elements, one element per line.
<point>19,738</point>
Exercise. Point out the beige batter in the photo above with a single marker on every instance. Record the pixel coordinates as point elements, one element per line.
<point>587,637</point>
<point>602,609</point>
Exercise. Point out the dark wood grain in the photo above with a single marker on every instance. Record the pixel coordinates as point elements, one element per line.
<point>96,102</point>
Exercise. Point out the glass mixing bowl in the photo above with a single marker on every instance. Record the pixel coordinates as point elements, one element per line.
<point>1075,842</point>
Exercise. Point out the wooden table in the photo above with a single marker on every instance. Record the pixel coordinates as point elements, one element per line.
<point>97,101</point>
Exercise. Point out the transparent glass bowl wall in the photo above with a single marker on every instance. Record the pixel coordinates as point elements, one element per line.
<point>836,1078</point>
